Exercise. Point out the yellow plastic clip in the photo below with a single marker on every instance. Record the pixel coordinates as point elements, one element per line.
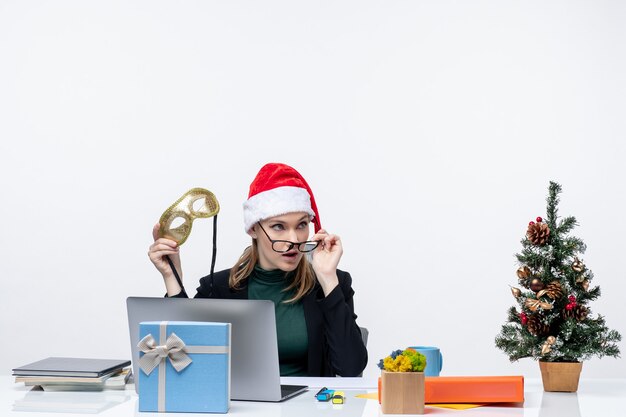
<point>338,398</point>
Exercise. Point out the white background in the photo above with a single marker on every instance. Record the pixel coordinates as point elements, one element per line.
<point>428,130</point>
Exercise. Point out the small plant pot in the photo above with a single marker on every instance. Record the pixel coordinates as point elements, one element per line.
<point>560,376</point>
<point>402,392</point>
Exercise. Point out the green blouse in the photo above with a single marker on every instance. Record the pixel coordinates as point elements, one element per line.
<point>290,324</point>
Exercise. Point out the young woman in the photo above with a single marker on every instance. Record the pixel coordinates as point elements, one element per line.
<point>315,319</point>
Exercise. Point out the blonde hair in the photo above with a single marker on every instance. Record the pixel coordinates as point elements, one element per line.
<point>303,281</point>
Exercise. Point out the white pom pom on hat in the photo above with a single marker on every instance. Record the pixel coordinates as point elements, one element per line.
<point>276,190</point>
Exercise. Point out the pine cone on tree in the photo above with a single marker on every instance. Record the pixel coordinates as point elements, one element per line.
<point>536,325</point>
<point>579,313</point>
<point>553,290</point>
<point>538,233</point>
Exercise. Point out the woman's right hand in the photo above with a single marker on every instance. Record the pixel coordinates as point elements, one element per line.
<point>161,248</point>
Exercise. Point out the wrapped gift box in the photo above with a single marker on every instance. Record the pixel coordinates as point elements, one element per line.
<point>184,366</point>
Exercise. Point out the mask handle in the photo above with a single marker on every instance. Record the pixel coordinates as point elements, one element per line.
<point>211,213</point>
<point>213,257</point>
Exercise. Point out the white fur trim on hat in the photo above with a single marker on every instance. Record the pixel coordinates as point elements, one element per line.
<point>275,202</point>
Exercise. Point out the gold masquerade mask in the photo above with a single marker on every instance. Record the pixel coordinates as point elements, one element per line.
<point>187,208</point>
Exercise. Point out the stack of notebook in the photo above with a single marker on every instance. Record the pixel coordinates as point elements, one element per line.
<point>74,374</point>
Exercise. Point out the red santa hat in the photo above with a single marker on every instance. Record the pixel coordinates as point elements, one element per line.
<point>278,189</point>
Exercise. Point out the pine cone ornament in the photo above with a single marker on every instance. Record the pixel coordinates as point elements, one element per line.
<point>579,313</point>
<point>553,290</point>
<point>536,326</point>
<point>538,233</point>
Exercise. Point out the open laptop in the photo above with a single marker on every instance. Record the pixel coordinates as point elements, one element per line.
<point>255,374</point>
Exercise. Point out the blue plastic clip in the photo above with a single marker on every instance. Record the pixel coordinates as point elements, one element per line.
<point>324,394</point>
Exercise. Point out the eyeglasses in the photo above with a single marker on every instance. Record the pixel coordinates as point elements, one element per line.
<point>282,246</point>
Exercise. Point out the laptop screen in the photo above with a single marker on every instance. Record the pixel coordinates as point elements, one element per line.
<point>255,374</point>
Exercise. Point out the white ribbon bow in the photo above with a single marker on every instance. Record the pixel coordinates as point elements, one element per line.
<point>154,354</point>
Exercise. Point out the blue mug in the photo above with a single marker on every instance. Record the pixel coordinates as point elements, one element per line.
<point>434,359</point>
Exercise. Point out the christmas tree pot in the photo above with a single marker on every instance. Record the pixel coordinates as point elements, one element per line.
<point>560,376</point>
<point>402,392</point>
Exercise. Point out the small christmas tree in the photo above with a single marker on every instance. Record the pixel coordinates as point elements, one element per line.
<point>554,322</point>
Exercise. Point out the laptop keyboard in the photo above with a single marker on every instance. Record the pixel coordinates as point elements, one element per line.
<point>287,390</point>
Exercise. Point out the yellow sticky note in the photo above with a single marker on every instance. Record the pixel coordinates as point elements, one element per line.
<point>374,396</point>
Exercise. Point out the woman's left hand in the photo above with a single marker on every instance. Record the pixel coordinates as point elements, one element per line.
<point>326,258</point>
